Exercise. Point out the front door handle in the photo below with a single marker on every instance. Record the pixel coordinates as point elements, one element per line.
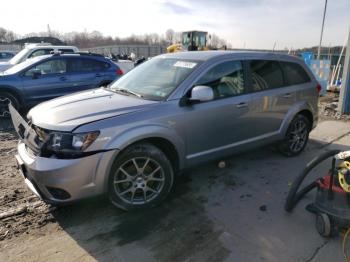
<point>241,105</point>
<point>98,75</point>
<point>63,78</point>
<point>287,95</point>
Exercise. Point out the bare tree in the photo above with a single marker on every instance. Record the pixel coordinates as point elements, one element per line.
<point>170,36</point>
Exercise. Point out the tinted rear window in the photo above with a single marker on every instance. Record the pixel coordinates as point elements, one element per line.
<point>294,74</point>
<point>266,74</point>
<point>86,65</point>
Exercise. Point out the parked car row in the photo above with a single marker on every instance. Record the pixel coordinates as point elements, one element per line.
<point>131,139</point>
<point>34,50</point>
<point>41,72</point>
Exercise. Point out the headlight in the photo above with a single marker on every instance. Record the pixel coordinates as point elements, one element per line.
<point>71,143</point>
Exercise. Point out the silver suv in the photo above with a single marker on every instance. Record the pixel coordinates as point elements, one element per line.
<point>130,139</point>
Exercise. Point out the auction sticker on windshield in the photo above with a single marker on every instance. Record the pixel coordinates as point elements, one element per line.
<point>185,64</point>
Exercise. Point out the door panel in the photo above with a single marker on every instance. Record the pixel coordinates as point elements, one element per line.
<point>52,81</point>
<point>85,73</point>
<point>216,126</point>
<point>271,100</point>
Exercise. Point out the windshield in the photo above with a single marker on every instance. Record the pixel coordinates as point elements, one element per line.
<point>16,68</point>
<point>156,78</point>
<point>19,57</point>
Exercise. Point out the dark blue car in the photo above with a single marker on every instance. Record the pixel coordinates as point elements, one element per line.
<point>46,77</point>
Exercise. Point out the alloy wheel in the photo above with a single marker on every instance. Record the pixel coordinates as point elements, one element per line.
<point>298,136</point>
<point>139,180</point>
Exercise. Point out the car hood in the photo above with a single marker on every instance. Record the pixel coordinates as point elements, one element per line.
<point>4,66</point>
<point>68,112</point>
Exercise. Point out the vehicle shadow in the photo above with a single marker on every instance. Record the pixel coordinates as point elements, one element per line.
<point>175,231</point>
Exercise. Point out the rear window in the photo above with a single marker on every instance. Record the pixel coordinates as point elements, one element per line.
<point>266,74</point>
<point>294,74</point>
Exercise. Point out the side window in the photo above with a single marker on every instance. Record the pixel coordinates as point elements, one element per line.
<point>57,66</point>
<point>294,74</point>
<point>226,79</point>
<point>266,74</point>
<point>40,52</point>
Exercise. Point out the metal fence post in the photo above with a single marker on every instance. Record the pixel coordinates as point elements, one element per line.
<point>344,98</point>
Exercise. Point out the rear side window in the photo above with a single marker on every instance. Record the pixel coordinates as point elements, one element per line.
<point>226,79</point>
<point>294,74</point>
<point>266,74</point>
<point>86,65</point>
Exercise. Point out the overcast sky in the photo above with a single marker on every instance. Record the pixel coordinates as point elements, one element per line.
<point>257,23</point>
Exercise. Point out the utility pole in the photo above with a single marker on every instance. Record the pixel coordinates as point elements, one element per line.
<point>324,16</point>
<point>344,98</point>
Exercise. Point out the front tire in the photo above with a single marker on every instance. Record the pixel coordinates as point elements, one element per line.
<point>296,137</point>
<point>141,177</point>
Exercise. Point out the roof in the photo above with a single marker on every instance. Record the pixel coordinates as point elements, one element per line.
<point>206,55</point>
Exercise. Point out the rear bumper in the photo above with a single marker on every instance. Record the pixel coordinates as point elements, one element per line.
<point>64,180</point>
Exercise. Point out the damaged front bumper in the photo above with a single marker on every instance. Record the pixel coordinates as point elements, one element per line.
<point>59,180</point>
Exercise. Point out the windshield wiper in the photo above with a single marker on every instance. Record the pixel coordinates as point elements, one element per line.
<point>126,91</point>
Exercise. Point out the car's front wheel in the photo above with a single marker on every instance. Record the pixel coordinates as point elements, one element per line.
<point>296,137</point>
<point>141,177</point>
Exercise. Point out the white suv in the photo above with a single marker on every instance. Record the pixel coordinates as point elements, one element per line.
<point>33,50</point>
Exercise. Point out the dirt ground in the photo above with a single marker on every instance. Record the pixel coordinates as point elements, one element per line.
<point>214,214</point>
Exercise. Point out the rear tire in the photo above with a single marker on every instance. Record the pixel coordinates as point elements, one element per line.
<point>141,177</point>
<point>296,137</point>
<point>5,99</point>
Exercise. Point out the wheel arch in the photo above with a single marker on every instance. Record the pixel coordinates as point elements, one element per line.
<point>302,108</point>
<point>13,91</point>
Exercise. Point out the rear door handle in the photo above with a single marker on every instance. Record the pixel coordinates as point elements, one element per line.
<point>98,75</point>
<point>287,95</point>
<point>241,105</point>
<point>63,78</point>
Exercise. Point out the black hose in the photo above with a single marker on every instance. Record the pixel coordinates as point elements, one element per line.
<point>294,196</point>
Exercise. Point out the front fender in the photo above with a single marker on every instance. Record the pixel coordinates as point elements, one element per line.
<point>130,136</point>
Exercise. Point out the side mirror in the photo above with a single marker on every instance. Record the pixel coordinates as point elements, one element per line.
<point>36,73</point>
<point>201,94</point>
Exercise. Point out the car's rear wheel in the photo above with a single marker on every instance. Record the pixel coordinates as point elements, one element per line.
<point>296,137</point>
<point>5,99</point>
<point>141,177</point>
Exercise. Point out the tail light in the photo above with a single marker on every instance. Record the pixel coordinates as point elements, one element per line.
<point>318,88</point>
<point>119,72</point>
